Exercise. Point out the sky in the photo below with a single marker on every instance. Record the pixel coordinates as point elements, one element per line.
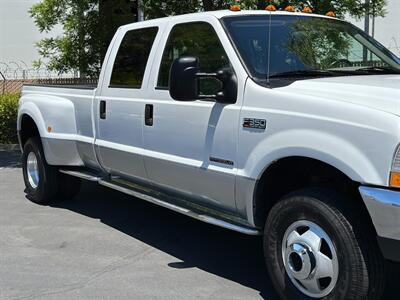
<point>387,29</point>
<point>18,32</point>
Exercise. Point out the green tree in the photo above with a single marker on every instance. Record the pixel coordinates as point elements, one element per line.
<point>355,8</point>
<point>88,27</point>
<point>358,8</point>
<point>158,8</point>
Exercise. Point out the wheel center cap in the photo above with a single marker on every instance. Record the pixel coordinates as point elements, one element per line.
<point>300,260</point>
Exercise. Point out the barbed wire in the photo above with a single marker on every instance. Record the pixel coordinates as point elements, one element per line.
<point>20,70</point>
<point>394,46</point>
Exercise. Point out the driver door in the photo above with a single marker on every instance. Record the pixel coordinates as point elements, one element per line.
<point>191,146</point>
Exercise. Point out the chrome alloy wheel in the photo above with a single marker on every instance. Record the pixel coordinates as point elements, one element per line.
<point>32,170</point>
<point>310,259</point>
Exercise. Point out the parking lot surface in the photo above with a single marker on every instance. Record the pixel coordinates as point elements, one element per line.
<point>106,245</point>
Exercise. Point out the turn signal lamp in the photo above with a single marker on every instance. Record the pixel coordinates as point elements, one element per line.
<point>271,8</point>
<point>331,14</point>
<point>395,173</point>
<point>235,7</point>
<point>290,8</point>
<point>395,179</point>
<point>307,10</point>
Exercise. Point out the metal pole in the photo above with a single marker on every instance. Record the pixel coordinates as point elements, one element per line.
<point>366,29</point>
<point>4,82</point>
<point>140,11</point>
<point>373,25</point>
<point>373,21</point>
<point>366,21</point>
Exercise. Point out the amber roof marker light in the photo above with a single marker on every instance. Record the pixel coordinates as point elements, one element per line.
<point>271,8</point>
<point>235,7</point>
<point>307,10</point>
<point>331,14</point>
<point>290,8</point>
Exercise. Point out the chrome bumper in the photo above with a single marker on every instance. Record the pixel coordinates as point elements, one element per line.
<point>384,209</point>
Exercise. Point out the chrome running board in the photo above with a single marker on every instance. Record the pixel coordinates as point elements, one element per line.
<point>82,174</point>
<point>185,211</point>
<point>187,208</point>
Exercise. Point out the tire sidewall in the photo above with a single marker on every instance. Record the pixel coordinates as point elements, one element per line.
<point>297,208</point>
<point>34,194</point>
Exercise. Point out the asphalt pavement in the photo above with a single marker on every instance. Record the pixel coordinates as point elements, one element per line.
<point>106,245</point>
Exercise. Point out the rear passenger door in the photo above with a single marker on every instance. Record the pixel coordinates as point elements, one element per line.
<point>120,106</point>
<point>191,146</point>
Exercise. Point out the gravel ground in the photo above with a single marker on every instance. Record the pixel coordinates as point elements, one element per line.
<point>106,245</point>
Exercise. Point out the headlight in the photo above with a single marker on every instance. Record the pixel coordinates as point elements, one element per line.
<point>395,173</point>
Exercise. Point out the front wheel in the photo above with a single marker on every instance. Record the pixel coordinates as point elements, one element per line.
<point>318,247</point>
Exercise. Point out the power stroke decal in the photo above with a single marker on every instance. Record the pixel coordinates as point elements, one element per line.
<point>221,161</point>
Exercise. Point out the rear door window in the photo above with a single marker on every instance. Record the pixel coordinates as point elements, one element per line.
<point>131,60</point>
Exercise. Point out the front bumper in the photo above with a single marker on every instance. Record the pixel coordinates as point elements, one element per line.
<point>384,208</point>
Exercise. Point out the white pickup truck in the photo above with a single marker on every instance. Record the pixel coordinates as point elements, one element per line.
<point>281,124</point>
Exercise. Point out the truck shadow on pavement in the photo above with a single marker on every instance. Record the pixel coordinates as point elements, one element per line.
<point>194,244</point>
<point>10,159</point>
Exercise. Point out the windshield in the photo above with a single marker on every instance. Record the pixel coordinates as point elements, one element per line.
<point>301,46</point>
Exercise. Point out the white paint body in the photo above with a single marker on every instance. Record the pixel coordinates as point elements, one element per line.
<point>351,123</point>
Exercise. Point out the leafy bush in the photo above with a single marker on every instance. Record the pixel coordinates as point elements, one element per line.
<point>8,118</point>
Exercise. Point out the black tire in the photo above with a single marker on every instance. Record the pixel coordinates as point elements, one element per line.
<point>47,185</point>
<point>69,186</point>
<point>361,265</point>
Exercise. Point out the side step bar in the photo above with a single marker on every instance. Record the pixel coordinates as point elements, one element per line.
<point>185,211</point>
<point>193,213</point>
<point>81,174</point>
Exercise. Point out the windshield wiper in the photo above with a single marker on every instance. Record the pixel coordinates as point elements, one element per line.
<point>378,69</point>
<point>303,73</point>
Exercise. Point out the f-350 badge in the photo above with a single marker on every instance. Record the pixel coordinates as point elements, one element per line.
<point>255,123</point>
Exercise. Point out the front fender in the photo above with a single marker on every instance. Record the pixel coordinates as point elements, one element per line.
<point>336,151</point>
<point>333,150</point>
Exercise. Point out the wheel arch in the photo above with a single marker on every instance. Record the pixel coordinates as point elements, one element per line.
<point>292,173</point>
<point>30,121</point>
<point>27,129</point>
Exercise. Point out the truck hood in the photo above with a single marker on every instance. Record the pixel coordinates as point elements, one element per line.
<point>381,92</point>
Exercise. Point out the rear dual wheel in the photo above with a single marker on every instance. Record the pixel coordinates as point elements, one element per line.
<point>319,247</point>
<point>43,182</point>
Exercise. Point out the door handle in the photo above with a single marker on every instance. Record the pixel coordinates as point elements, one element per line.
<point>148,115</point>
<point>103,107</point>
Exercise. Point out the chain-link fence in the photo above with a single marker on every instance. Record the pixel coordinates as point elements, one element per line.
<point>14,74</point>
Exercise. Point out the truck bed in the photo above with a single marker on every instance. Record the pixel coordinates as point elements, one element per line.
<point>63,115</point>
<point>89,86</point>
<point>66,86</point>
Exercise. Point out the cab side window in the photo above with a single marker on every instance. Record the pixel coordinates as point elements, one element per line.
<point>200,40</point>
<point>131,60</point>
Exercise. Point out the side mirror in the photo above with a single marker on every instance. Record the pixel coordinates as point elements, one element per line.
<point>184,82</point>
